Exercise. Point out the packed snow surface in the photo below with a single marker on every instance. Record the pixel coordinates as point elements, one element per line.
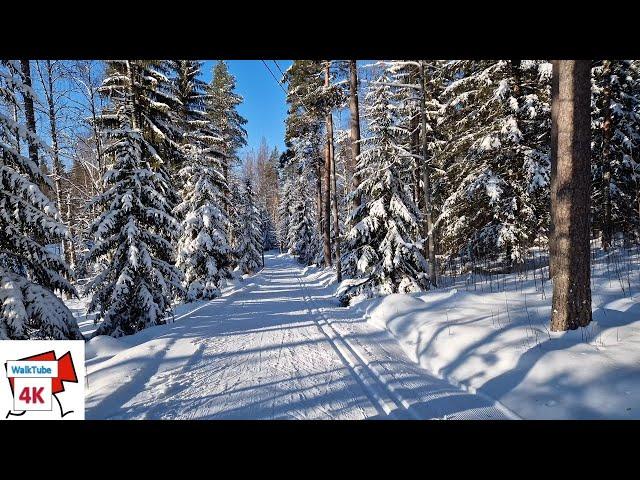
<point>277,346</point>
<point>493,338</point>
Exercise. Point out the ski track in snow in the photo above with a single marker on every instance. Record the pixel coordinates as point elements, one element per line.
<point>280,348</point>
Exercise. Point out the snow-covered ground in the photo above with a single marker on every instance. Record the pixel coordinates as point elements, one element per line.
<point>494,339</point>
<point>278,346</point>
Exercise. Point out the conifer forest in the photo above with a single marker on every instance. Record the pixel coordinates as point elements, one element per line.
<point>424,239</point>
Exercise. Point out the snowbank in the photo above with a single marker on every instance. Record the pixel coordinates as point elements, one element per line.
<point>498,343</point>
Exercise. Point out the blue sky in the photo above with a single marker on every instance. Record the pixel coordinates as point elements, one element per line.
<point>264,104</point>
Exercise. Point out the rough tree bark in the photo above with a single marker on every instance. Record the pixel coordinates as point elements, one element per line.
<point>326,199</point>
<point>570,194</point>
<point>426,181</point>
<point>355,127</point>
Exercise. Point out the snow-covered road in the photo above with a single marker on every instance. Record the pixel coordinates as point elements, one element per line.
<point>279,348</point>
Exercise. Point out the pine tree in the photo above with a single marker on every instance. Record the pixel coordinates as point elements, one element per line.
<point>496,155</point>
<point>311,99</point>
<point>30,271</point>
<point>204,254</point>
<point>250,243</point>
<point>380,250</point>
<point>570,258</point>
<point>135,230</point>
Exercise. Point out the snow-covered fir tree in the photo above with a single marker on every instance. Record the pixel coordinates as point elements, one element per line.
<point>496,127</point>
<point>222,108</point>
<point>615,145</point>
<point>381,251</point>
<point>301,165</point>
<point>303,240</point>
<point>268,229</point>
<point>30,269</point>
<point>284,212</point>
<point>222,104</point>
<point>134,233</point>
<point>249,251</point>
<point>204,255</point>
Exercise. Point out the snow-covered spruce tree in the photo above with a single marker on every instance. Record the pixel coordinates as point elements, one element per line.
<point>303,240</point>
<point>222,109</point>
<point>284,213</point>
<point>615,165</point>
<point>302,161</point>
<point>30,271</point>
<point>496,124</point>
<point>153,93</point>
<point>204,255</point>
<point>250,242</point>
<point>269,240</point>
<point>381,252</point>
<point>133,234</point>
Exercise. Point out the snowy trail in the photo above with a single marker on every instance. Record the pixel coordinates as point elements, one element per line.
<point>280,348</point>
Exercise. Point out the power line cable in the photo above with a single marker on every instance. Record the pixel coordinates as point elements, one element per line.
<point>274,77</point>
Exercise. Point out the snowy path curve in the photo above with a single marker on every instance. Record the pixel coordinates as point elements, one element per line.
<point>280,348</point>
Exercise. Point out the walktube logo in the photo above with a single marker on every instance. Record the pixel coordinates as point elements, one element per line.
<point>43,379</point>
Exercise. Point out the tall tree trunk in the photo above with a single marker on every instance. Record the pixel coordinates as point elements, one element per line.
<point>56,166</point>
<point>607,131</point>
<point>570,194</point>
<point>355,127</point>
<point>29,111</point>
<point>426,180</point>
<point>336,218</point>
<point>326,200</point>
<point>319,165</point>
<point>70,248</point>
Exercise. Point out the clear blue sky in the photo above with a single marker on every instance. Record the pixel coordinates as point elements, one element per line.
<point>264,104</point>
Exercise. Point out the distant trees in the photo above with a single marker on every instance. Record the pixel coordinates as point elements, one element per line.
<point>250,242</point>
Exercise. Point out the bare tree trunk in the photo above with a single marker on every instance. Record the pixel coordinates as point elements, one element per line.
<point>96,131</point>
<point>319,204</point>
<point>336,219</point>
<point>29,111</point>
<point>570,194</point>
<point>70,249</point>
<point>326,200</point>
<point>355,127</point>
<point>56,166</point>
<point>607,131</point>
<point>426,180</point>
